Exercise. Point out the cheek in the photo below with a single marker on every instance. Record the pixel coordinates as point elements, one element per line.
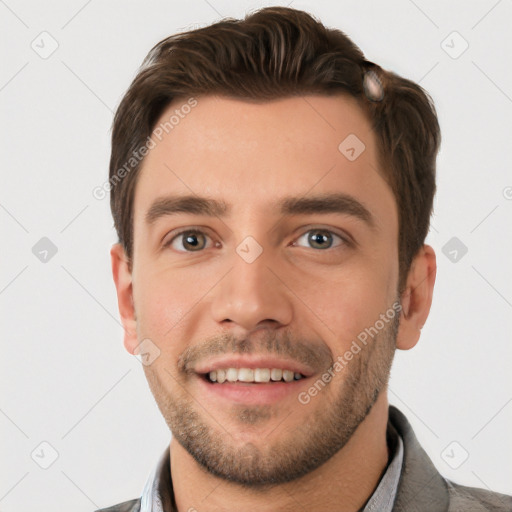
<point>343,304</point>
<point>160,305</point>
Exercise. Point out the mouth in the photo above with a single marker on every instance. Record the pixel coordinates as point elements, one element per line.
<point>252,375</point>
<point>255,381</point>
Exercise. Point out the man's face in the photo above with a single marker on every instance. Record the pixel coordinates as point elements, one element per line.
<point>265,285</point>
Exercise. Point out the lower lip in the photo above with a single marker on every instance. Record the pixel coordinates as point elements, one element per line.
<point>249,393</point>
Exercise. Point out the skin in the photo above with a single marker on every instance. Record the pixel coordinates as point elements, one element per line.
<point>294,294</point>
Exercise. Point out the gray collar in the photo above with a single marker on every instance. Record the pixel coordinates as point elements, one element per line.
<point>421,487</point>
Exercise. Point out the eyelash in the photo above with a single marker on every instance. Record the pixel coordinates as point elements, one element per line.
<point>345,241</point>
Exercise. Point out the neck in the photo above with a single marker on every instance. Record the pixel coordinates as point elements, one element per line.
<point>344,483</point>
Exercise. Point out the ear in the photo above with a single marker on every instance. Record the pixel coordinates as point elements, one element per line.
<point>416,299</point>
<point>123,279</point>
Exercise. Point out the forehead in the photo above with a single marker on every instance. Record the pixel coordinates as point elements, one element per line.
<point>258,153</point>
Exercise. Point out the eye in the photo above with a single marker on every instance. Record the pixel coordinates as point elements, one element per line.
<point>195,240</point>
<point>321,238</point>
<point>192,240</point>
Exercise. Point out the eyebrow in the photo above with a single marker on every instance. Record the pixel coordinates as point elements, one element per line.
<point>289,206</point>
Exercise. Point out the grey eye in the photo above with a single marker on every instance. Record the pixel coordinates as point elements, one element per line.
<point>320,238</point>
<point>191,241</point>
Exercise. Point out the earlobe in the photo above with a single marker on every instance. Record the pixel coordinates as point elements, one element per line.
<point>417,297</point>
<point>123,280</point>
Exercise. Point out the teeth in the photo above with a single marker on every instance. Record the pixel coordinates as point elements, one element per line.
<point>287,375</point>
<point>276,374</point>
<point>246,375</point>
<point>253,375</point>
<point>262,375</point>
<point>232,374</point>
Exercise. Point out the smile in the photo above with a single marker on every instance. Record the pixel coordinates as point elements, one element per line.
<point>254,375</point>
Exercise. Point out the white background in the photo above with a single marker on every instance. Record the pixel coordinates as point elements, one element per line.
<point>66,378</point>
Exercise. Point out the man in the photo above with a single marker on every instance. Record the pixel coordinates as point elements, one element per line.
<point>272,191</point>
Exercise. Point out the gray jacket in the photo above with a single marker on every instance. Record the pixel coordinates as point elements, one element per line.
<point>421,487</point>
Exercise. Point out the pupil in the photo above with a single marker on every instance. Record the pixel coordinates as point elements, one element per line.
<point>191,239</point>
<point>317,238</point>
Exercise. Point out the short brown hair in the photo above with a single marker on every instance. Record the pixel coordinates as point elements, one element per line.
<point>279,52</point>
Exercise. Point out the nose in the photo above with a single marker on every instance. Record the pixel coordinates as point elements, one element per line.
<point>252,296</point>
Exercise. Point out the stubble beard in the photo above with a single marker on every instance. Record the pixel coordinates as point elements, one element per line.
<point>276,459</point>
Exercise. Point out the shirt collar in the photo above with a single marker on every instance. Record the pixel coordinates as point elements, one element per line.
<point>151,499</point>
<point>383,497</point>
<point>158,496</point>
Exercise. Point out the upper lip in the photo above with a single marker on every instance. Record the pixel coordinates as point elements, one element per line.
<point>244,361</point>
